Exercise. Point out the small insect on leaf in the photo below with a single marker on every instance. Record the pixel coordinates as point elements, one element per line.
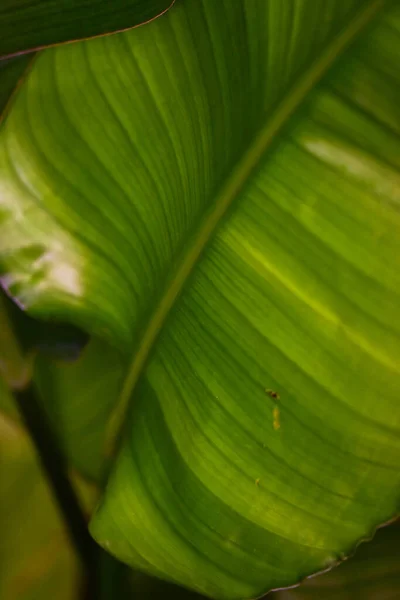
<point>272,394</point>
<point>257,482</point>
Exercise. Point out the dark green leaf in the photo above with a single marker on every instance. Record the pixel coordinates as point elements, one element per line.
<point>11,72</point>
<point>144,587</point>
<point>76,395</point>
<point>78,399</point>
<point>31,24</point>
<point>372,574</point>
<point>58,341</point>
<point>15,366</point>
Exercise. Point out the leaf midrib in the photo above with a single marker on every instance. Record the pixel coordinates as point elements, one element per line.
<point>229,191</point>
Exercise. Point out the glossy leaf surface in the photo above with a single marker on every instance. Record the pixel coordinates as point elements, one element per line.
<point>29,24</point>
<point>213,199</point>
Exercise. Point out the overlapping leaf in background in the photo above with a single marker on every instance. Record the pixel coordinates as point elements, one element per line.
<point>372,574</point>
<point>11,70</point>
<point>36,558</point>
<point>78,398</point>
<point>214,153</point>
<point>29,24</point>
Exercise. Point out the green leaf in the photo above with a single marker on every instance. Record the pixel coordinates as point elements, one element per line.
<point>211,198</point>
<point>372,574</point>
<point>11,72</point>
<point>33,24</point>
<point>36,559</point>
<point>15,365</point>
<point>78,398</point>
<point>51,339</point>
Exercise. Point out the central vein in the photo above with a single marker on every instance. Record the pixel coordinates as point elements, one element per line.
<point>227,195</point>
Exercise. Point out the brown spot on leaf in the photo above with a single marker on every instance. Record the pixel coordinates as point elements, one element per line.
<point>273,394</point>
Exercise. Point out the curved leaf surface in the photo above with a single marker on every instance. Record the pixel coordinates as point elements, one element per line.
<point>11,72</point>
<point>372,574</point>
<point>59,261</point>
<point>246,256</point>
<point>76,388</point>
<point>144,587</point>
<point>78,398</point>
<point>33,24</point>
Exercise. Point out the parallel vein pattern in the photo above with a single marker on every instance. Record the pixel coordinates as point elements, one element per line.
<point>30,24</point>
<point>297,293</point>
<point>374,572</point>
<point>168,123</point>
<point>263,440</point>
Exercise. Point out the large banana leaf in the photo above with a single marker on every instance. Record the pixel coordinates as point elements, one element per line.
<point>210,197</point>
<point>29,24</point>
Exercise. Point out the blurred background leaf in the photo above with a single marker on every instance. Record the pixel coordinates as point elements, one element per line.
<point>77,382</point>
<point>373,573</point>
<point>37,561</point>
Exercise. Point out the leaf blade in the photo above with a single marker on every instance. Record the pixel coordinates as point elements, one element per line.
<point>11,72</point>
<point>78,398</point>
<point>66,286</point>
<point>233,519</point>
<point>27,25</point>
<point>372,573</point>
